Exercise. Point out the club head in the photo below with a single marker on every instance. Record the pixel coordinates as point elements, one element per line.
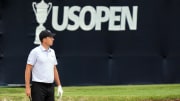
<point>60,97</point>
<point>30,99</point>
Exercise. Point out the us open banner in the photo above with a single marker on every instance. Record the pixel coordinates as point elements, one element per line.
<point>75,17</point>
<point>96,42</point>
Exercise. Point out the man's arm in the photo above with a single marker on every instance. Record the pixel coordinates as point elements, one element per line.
<point>27,79</point>
<point>58,83</point>
<point>56,77</point>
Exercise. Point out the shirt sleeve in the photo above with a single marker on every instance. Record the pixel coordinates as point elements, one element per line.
<point>55,60</point>
<point>56,63</point>
<point>31,58</point>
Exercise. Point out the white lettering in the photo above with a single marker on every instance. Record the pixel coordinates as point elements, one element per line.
<point>73,17</point>
<point>92,17</point>
<point>55,19</point>
<point>117,18</point>
<point>100,18</point>
<point>132,20</point>
<point>114,18</point>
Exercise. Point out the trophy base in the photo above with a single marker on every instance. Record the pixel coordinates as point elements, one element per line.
<point>39,29</point>
<point>37,42</point>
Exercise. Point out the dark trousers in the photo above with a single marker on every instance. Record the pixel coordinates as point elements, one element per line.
<point>42,91</point>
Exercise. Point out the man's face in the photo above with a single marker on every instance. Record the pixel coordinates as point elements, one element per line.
<point>48,41</point>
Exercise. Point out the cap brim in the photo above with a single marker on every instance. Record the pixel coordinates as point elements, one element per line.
<point>53,34</point>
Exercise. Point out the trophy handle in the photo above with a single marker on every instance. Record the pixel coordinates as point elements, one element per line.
<point>50,6</point>
<point>33,6</point>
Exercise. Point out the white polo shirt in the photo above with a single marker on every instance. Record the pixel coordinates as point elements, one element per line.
<point>43,62</point>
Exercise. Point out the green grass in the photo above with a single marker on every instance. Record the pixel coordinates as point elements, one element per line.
<point>166,92</point>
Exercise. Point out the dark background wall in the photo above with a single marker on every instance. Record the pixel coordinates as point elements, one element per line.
<point>150,54</point>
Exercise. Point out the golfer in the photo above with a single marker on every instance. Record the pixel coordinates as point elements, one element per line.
<point>42,63</point>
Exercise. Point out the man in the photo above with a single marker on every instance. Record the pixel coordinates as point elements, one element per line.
<point>42,63</point>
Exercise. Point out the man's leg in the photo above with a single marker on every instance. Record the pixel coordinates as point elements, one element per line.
<point>50,94</point>
<point>38,92</point>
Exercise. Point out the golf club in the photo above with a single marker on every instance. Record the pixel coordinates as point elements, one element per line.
<point>30,98</point>
<point>60,98</point>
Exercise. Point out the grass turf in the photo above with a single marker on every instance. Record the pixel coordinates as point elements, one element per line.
<point>167,92</point>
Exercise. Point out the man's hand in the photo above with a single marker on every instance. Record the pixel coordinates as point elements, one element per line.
<point>60,91</point>
<point>27,79</point>
<point>28,91</point>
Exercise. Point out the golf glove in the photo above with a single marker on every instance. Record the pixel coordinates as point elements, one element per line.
<point>59,91</point>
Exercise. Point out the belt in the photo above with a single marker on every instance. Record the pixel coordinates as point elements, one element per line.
<point>42,83</point>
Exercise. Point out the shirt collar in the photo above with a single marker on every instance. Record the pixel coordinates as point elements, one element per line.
<point>43,49</point>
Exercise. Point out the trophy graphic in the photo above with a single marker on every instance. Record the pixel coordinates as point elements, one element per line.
<point>41,11</point>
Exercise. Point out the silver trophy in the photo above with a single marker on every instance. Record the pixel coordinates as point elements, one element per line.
<point>41,11</point>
